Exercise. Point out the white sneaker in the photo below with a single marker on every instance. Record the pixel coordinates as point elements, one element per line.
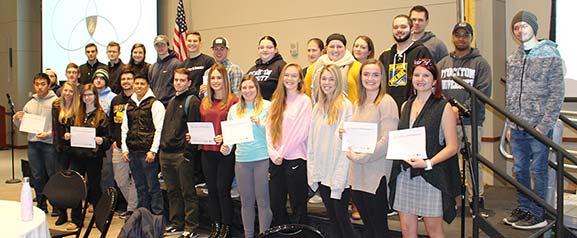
<point>392,213</point>
<point>316,199</point>
<point>234,192</point>
<point>200,185</point>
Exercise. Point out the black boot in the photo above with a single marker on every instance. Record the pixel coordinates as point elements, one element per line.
<point>62,218</point>
<point>224,231</point>
<point>214,230</point>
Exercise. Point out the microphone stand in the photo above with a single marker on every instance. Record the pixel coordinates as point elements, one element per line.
<point>465,164</point>
<point>13,180</point>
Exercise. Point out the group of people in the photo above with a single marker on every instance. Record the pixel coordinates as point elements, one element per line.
<point>140,114</point>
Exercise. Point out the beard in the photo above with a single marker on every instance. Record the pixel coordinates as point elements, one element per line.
<point>401,40</point>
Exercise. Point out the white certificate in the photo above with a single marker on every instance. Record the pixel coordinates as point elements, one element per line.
<point>201,133</point>
<point>360,137</point>
<point>84,137</point>
<point>407,144</point>
<point>236,131</point>
<point>32,123</point>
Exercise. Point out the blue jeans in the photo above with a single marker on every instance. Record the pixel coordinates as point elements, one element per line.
<point>42,158</point>
<point>146,181</point>
<point>527,149</point>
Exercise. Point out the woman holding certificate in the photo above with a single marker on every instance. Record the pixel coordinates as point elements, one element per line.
<point>427,187</point>
<point>218,169</point>
<point>63,112</point>
<point>370,171</point>
<point>89,160</point>
<point>287,131</point>
<point>251,168</point>
<point>327,165</point>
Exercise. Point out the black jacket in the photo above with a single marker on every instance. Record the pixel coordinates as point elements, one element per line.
<point>400,86</point>
<point>140,136</point>
<point>267,74</point>
<point>117,107</point>
<point>86,71</point>
<point>101,131</point>
<point>173,136</point>
<point>196,67</point>
<point>114,71</point>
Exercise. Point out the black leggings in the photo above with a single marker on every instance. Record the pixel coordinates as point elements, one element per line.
<point>288,178</point>
<point>219,172</point>
<point>373,209</point>
<point>338,212</point>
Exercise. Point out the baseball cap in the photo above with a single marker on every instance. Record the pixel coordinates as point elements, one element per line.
<point>219,41</point>
<point>463,25</point>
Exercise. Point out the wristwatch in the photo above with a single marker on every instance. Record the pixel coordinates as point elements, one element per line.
<point>429,164</point>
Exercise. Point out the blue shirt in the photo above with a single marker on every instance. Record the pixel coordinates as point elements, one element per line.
<point>255,150</point>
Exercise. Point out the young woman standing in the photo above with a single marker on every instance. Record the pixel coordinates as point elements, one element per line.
<point>251,168</point>
<point>287,133</point>
<point>218,169</point>
<point>327,165</point>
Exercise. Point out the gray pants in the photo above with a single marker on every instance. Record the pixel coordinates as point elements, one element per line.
<point>469,175</point>
<point>124,180</point>
<point>252,179</point>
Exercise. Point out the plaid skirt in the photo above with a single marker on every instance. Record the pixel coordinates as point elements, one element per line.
<point>417,196</point>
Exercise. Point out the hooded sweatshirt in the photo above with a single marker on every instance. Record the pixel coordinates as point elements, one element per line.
<point>400,70</point>
<point>437,48</point>
<point>160,76</point>
<point>535,88</point>
<point>173,137</point>
<point>267,74</point>
<point>475,71</point>
<point>41,107</point>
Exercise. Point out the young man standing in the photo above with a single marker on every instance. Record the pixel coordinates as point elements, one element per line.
<point>72,75</point>
<point>220,50</point>
<point>160,73</point>
<point>197,62</point>
<point>105,95</point>
<point>121,168</point>
<point>54,86</point>
<point>420,17</point>
<point>466,63</point>
<point>115,66</point>
<point>177,158</point>
<point>91,65</point>
<point>141,127</point>
<point>41,152</point>
<point>398,60</point>
<point>534,92</point>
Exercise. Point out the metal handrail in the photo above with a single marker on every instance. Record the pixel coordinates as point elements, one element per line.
<point>560,153</point>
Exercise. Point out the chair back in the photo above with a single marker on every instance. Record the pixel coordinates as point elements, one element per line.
<point>291,230</point>
<point>65,189</point>
<point>103,213</point>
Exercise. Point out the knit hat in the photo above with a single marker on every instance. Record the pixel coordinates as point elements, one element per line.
<point>336,36</point>
<point>463,25</point>
<point>527,17</point>
<point>101,73</point>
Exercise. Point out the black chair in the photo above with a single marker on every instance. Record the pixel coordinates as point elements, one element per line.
<point>103,213</point>
<point>66,189</point>
<point>293,231</point>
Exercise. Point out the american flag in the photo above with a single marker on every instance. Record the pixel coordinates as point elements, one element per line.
<point>180,33</point>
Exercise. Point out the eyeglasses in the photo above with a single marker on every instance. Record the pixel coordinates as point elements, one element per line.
<point>424,61</point>
<point>88,94</point>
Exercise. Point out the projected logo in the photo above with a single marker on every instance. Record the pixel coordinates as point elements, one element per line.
<point>76,23</point>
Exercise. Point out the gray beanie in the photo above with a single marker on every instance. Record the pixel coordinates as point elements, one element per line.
<point>527,17</point>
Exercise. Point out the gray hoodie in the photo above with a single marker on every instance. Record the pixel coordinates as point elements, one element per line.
<point>535,87</point>
<point>475,71</point>
<point>41,107</point>
<point>434,45</point>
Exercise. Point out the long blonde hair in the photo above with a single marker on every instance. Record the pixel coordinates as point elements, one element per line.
<point>332,103</point>
<point>258,101</point>
<point>68,109</point>
<point>362,91</point>
<point>278,104</point>
<point>81,111</point>
<point>227,97</point>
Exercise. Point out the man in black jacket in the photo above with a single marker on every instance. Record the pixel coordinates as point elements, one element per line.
<point>398,60</point>
<point>121,168</point>
<point>91,65</point>
<point>177,157</point>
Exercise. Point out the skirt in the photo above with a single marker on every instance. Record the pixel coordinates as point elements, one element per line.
<point>417,196</point>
